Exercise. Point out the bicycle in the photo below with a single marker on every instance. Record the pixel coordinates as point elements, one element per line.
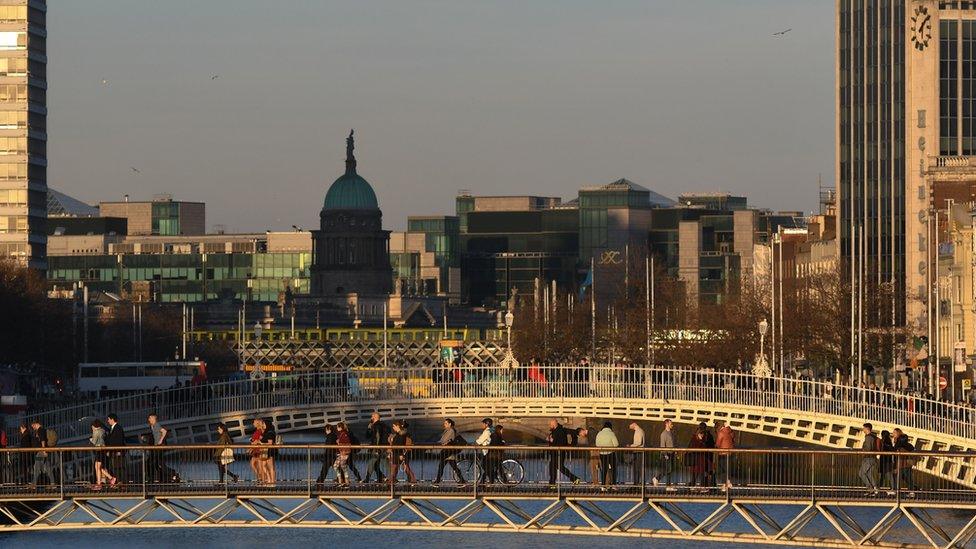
<point>512,471</point>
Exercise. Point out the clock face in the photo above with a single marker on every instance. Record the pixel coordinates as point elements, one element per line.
<point>921,28</point>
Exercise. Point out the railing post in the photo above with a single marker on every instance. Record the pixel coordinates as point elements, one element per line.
<point>813,478</point>
<point>143,461</point>
<point>61,472</point>
<point>475,460</point>
<point>643,474</point>
<point>308,469</point>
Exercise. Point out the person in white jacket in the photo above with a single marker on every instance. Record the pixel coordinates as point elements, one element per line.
<point>487,468</point>
<point>606,438</point>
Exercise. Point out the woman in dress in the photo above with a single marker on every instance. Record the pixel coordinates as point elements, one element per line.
<point>224,455</point>
<point>98,440</point>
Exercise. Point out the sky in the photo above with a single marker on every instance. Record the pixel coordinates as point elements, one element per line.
<point>504,97</point>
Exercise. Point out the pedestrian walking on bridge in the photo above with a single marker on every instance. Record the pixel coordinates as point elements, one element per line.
<point>868,471</point>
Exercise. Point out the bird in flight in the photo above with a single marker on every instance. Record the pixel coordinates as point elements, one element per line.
<point>133,169</point>
<point>214,76</point>
<point>781,33</point>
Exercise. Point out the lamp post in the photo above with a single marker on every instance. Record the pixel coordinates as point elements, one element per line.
<point>761,367</point>
<point>509,320</point>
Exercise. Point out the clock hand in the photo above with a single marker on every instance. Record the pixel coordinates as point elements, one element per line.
<point>924,21</point>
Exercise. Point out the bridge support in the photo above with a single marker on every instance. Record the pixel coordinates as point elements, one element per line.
<point>843,524</point>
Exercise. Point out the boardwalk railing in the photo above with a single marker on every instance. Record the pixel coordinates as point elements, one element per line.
<point>603,382</point>
<point>859,498</point>
<point>224,470</point>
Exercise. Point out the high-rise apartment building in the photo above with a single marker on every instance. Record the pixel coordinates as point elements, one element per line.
<point>23,131</point>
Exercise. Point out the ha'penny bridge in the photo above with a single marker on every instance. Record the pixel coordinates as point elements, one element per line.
<point>778,496</point>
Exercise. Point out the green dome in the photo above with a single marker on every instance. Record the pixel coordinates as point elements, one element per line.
<point>351,192</point>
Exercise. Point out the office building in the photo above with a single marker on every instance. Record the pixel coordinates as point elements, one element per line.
<point>905,106</point>
<point>426,257</point>
<point>23,131</point>
<point>162,216</point>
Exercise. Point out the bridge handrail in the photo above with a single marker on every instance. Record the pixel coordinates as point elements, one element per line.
<point>603,381</point>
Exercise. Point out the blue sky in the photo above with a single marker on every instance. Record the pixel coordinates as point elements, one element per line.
<point>499,97</point>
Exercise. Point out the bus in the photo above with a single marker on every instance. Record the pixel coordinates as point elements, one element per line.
<point>123,377</point>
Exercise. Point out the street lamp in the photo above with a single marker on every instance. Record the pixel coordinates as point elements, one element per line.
<point>761,367</point>
<point>509,320</point>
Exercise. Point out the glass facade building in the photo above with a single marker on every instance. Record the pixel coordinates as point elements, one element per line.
<point>871,138</point>
<point>23,131</point>
<point>192,277</point>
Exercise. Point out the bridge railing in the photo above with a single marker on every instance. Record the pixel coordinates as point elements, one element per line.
<point>568,381</point>
<point>227,470</point>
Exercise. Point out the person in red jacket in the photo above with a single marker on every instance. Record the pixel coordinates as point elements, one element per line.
<point>725,440</point>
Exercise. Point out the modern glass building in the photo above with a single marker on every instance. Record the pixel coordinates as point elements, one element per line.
<point>188,277</point>
<point>505,250</point>
<point>23,131</point>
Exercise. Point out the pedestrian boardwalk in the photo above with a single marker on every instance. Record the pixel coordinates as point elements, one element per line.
<point>821,414</point>
<point>791,497</point>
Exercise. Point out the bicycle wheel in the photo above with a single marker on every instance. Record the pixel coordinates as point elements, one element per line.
<point>466,465</point>
<point>512,472</point>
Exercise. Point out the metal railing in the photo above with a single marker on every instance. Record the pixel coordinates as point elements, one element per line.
<point>563,382</point>
<point>306,470</point>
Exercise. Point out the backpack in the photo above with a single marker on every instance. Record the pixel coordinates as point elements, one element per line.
<point>459,441</point>
<point>52,437</point>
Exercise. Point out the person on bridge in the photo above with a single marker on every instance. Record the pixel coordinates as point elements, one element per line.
<point>700,463</point>
<point>342,457</point>
<point>329,454</point>
<point>592,456</point>
<point>869,462</point>
<point>224,455</point>
<point>904,464</point>
<point>606,438</point>
<point>400,456</point>
<point>559,436</point>
<point>489,461</point>
<point>116,438</point>
<point>640,459</point>
<point>154,459</point>
<point>98,457</point>
<point>886,462</point>
<point>726,441</point>
<point>377,434</point>
<point>257,453</point>
<point>451,439</point>
<point>666,466</point>
<point>269,438</point>
<point>41,463</point>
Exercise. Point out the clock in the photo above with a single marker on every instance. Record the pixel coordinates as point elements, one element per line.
<point>921,28</point>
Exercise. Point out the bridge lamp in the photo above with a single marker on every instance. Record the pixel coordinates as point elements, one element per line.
<point>761,367</point>
<point>509,320</point>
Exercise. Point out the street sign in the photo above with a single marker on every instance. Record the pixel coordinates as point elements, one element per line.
<point>967,384</point>
<point>943,383</point>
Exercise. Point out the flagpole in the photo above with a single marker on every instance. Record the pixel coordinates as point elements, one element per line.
<point>593,308</point>
<point>653,346</point>
<point>647,310</point>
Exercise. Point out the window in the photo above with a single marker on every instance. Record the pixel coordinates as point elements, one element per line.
<point>13,40</point>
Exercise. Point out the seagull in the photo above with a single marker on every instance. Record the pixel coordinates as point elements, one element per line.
<point>133,169</point>
<point>214,76</point>
<point>781,33</point>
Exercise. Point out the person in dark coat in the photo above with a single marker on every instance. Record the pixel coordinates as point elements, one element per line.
<point>377,434</point>
<point>559,436</point>
<point>700,463</point>
<point>115,438</point>
<point>329,455</point>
